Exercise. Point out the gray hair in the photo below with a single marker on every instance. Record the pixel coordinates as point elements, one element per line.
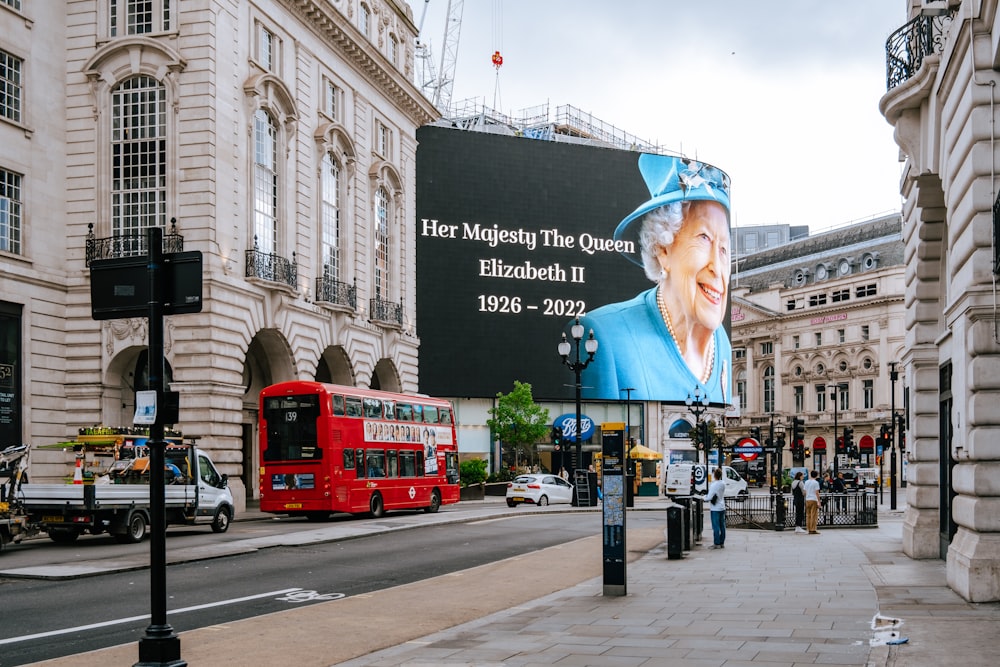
<point>657,230</point>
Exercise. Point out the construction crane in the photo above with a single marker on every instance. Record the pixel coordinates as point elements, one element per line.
<point>437,84</point>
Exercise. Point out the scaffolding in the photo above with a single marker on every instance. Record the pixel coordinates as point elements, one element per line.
<point>566,124</point>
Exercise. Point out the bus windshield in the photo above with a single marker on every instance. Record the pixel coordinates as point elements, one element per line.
<point>291,428</point>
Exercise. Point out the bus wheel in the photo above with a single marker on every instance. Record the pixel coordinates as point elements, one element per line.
<point>376,506</point>
<point>435,502</point>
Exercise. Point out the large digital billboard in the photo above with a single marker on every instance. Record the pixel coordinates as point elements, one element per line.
<point>516,238</point>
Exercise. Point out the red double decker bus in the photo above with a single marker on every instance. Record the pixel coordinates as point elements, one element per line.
<point>327,448</point>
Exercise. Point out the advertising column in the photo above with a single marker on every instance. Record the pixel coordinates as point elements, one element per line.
<point>613,523</point>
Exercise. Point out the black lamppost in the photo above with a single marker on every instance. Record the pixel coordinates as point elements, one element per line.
<point>628,410</point>
<point>697,406</point>
<point>576,331</point>
<point>893,376</point>
<point>835,397</point>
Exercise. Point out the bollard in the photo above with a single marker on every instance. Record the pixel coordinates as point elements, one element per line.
<point>779,512</point>
<point>675,532</point>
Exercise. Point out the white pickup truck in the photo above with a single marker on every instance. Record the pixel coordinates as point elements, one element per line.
<point>119,504</point>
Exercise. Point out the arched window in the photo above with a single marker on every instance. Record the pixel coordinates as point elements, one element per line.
<point>139,158</point>
<point>769,389</point>
<point>382,241</point>
<point>265,184</point>
<point>330,217</point>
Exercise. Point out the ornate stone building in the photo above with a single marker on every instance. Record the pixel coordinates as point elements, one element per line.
<point>817,324</point>
<point>942,100</point>
<point>276,137</point>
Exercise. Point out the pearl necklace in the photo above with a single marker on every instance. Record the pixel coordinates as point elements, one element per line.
<point>665,314</point>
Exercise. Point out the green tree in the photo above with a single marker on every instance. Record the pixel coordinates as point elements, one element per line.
<point>518,422</point>
<point>716,437</point>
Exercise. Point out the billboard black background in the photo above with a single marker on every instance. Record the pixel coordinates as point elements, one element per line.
<point>516,183</point>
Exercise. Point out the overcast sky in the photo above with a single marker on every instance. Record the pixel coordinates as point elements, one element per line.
<point>781,94</point>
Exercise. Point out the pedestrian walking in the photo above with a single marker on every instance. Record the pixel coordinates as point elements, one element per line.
<point>717,505</point>
<point>799,502</point>
<point>812,502</point>
<point>839,488</point>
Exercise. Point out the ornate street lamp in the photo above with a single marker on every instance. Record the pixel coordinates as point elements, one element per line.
<point>577,366</point>
<point>697,406</point>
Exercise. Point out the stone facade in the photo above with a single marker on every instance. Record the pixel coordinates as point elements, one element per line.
<point>822,312</point>
<point>942,101</point>
<point>275,137</point>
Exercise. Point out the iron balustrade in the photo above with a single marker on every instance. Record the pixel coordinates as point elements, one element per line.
<point>836,509</point>
<point>906,48</point>
<point>275,268</point>
<point>334,291</point>
<point>386,311</point>
<point>129,244</point>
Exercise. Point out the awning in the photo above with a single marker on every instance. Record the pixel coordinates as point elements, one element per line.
<point>643,452</point>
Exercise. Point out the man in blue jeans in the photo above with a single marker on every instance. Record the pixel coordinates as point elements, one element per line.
<point>717,504</point>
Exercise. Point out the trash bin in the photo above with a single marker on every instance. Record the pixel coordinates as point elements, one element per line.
<point>688,503</point>
<point>675,531</point>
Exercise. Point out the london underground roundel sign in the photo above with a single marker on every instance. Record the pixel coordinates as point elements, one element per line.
<point>748,449</point>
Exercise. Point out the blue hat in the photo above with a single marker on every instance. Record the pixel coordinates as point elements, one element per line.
<point>669,179</point>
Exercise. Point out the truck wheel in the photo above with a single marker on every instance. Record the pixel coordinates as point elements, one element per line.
<point>220,523</point>
<point>376,506</point>
<point>435,502</point>
<point>135,529</point>
<point>63,535</point>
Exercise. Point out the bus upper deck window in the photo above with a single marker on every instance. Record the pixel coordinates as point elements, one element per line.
<point>390,409</point>
<point>418,413</point>
<point>404,412</point>
<point>373,408</point>
<point>339,407</point>
<point>430,414</point>
<point>353,406</point>
<point>445,415</point>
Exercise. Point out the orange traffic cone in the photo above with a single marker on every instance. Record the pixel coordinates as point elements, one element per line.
<point>78,472</point>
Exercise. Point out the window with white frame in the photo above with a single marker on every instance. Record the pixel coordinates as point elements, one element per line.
<point>393,50</point>
<point>333,100</point>
<point>799,396</point>
<point>383,139</point>
<point>841,335</point>
<point>10,86</point>
<point>138,17</point>
<point>382,241</point>
<point>821,398</point>
<point>741,387</point>
<point>365,21</point>
<point>845,397</point>
<point>265,182</point>
<point>268,49</point>
<point>13,4</point>
<point>767,348</point>
<point>768,394</point>
<point>10,211</point>
<point>819,338</point>
<point>868,389</point>
<point>330,215</point>
<point>795,342</point>
<point>138,158</point>
<point>865,332</point>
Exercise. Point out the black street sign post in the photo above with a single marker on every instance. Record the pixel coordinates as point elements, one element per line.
<point>613,511</point>
<point>152,285</point>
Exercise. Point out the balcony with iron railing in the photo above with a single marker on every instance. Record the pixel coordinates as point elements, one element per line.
<point>271,267</point>
<point>129,244</point>
<point>386,312</point>
<point>907,47</point>
<point>336,292</point>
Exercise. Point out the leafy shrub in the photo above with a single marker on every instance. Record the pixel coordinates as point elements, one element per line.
<point>472,471</point>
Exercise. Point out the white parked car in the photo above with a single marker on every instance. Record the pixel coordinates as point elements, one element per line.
<point>539,489</point>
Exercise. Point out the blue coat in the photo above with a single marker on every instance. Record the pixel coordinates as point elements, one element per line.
<point>636,350</point>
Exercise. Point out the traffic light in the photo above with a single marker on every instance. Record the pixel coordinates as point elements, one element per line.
<point>806,453</point>
<point>798,437</point>
<point>755,433</point>
<point>557,436</point>
<point>883,437</point>
<point>848,439</point>
<point>706,436</point>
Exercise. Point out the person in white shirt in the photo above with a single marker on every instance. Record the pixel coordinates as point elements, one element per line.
<point>717,504</point>
<point>812,502</point>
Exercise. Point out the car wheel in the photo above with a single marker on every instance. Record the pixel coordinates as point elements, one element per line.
<point>511,503</point>
<point>376,506</point>
<point>220,523</point>
<point>543,501</point>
